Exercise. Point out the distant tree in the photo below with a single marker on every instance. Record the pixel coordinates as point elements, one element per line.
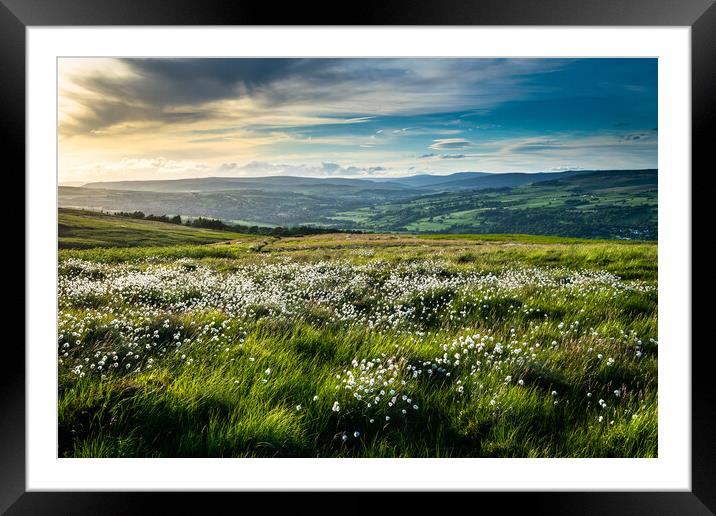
<point>131,214</point>
<point>206,223</point>
<point>157,218</point>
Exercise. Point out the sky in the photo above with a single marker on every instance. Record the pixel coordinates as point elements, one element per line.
<point>158,118</point>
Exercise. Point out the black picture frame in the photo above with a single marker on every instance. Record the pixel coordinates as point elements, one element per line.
<point>17,15</point>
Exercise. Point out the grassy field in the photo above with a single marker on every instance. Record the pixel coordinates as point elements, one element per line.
<point>354,345</point>
<point>86,229</point>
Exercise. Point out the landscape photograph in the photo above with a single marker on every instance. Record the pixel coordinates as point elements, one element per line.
<point>357,257</point>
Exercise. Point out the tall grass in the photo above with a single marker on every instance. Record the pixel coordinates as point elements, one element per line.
<point>269,384</point>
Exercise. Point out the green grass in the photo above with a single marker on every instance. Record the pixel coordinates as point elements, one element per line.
<point>81,230</point>
<point>531,239</point>
<point>210,395</point>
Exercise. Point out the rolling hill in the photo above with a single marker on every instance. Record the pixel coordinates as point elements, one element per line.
<point>591,204</point>
<point>430,180</point>
<point>213,184</point>
<point>602,204</point>
<point>81,230</point>
<point>509,179</point>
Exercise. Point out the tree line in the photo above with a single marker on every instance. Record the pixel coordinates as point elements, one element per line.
<point>209,223</point>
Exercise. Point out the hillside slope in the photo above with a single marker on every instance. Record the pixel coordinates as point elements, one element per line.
<point>271,183</point>
<point>509,180</point>
<point>591,204</point>
<point>83,229</point>
<point>609,204</point>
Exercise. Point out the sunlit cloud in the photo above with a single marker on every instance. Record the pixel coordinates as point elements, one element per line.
<point>450,143</point>
<point>148,118</point>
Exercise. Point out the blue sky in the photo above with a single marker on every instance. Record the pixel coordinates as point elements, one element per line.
<point>171,118</point>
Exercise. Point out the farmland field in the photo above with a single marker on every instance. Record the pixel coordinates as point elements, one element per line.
<point>211,344</point>
<point>593,204</point>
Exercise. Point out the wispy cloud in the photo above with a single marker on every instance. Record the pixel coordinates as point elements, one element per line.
<point>450,144</point>
<point>444,156</point>
<point>163,168</point>
<point>398,114</point>
<point>179,90</point>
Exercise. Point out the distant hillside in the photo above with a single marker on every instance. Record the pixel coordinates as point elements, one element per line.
<point>214,184</point>
<point>591,204</point>
<point>509,179</point>
<point>278,206</point>
<point>429,180</point>
<point>609,180</point>
<point>597,204</point>
<point>415,185</point>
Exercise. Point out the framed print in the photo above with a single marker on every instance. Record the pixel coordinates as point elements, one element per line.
<point>444,249</point>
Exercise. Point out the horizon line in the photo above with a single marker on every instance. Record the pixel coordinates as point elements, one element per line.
<point>364,178</point>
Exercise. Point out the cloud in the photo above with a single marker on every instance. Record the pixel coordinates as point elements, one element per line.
<point>579,145</point>
<point>565,169</point>
<point>636,136</point>
<point>152,168</point>
<point>445,156</point>
<point>326,169</point>
<point>167,91</point>
<point>349,116</point>
<point>144,168</point>
<point>358,120</point>
<point>450,144</point>
<point>331,167</point>
<point>569,151</point>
